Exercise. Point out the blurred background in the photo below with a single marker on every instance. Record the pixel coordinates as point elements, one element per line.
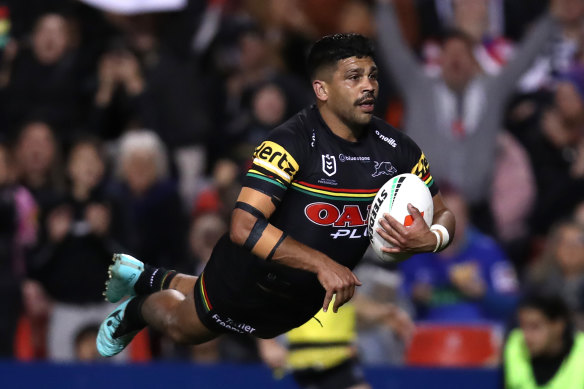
<point>128,126</point>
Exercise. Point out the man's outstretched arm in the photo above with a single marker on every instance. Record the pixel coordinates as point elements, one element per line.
<point>250,228</point>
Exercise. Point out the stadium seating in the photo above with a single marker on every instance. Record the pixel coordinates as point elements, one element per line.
<point>454,345</point>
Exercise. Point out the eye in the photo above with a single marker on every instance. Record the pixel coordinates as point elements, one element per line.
<point>354,77</point>
<point>373,76</point>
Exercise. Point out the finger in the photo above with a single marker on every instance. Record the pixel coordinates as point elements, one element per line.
<point>415,212</point>
<point>393,228</point>
<point>391,250</point>
<point>387,237</point>
<point>327,300</point>
<point>396,225</point>
<point>340,299</point>
<point>357,281</point>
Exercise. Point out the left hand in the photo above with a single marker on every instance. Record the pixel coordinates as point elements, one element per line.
<point>415,238</point>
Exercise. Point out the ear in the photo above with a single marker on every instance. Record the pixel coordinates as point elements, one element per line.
<point>320,90</point>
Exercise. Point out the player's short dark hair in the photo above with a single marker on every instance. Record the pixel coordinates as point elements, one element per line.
<point>550,303</point>
<point>330,49</point>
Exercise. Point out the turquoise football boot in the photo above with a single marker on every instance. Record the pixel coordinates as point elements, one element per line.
<point>123,274</point>
<point>107,344</point>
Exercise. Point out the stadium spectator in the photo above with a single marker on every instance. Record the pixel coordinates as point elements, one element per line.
<point>118,100</point>
<point>470,281</point>
<point>561,55</point>
<point>556,148</point>
<point>85,349</point>
<point>255,68</point>
<point>481,20</point>
<point>220,190</point>
<point>512,198</point>
<point>461,110</point>
<point>82,234</point>
<point>44,80</point>
<point>151,201</point>
<point>379,342</point>
<point>38,166</point>
<point>544,351</point>
<point>17,234</point>
<point>268,110</point>
<point>560,269</point>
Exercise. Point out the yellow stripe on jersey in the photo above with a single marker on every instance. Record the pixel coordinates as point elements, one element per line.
<point>340,195</point>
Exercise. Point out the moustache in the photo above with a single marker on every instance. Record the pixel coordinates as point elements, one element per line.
<point>367,99</point>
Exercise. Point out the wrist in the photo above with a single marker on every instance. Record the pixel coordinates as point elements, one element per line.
<point>442,237</point>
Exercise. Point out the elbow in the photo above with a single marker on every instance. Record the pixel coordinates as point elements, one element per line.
<point>240,227</point>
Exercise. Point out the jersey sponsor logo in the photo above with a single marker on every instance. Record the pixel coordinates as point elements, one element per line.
<point>346,220</point>
<point>384,167</point>
<point>422,168</point>
<point>276,159</point>
<point>350,158</point>
<point>386,139</point>
<point>329,164</point>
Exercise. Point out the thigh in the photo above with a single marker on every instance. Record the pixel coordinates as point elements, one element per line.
<point>191,325</point>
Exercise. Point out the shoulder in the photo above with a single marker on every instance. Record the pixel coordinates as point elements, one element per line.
<point>298,127</point>
<point>390,135</point>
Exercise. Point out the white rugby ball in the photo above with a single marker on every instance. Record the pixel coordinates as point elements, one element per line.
<point>393,198</point>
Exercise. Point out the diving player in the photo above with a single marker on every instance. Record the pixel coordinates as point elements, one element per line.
<point>299,225</point>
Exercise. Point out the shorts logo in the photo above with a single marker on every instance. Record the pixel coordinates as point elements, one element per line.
<point>329,164</point>
<point>384,168</point>
<point>276,159</point>
<point>232,325</point>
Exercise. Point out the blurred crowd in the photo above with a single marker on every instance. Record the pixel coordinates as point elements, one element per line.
<point>130,132</point>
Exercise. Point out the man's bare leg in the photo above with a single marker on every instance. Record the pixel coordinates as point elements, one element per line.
<point>174,314</point>
<point>171,311</point>
<point>183,283</point>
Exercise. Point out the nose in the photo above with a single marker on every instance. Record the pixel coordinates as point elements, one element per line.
<point>369,85</point>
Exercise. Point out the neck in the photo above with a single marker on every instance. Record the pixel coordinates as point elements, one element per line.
<point>339,127</point>
<point>80,192</point>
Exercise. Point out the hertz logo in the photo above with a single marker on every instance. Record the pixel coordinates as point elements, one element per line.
<point>422,167</point>
<point>275,158</point>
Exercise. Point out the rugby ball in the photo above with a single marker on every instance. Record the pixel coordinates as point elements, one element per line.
<point>393,198</point>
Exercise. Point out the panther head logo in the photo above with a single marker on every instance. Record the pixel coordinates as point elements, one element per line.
<point>384,168</point>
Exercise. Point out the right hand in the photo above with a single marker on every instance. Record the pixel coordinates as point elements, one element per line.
<point>336,280</point>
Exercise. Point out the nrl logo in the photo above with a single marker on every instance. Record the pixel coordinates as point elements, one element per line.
<point>329,164</point>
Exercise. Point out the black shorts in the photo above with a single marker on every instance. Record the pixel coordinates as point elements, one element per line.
<point>345,375</point>
<point>237,293</point>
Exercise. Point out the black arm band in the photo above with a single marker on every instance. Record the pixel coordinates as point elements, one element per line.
<point>271,254</point>
<point>256,233</point>
<point>250,209</point>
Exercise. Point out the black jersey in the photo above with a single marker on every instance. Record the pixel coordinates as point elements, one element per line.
<point>323,186</point>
